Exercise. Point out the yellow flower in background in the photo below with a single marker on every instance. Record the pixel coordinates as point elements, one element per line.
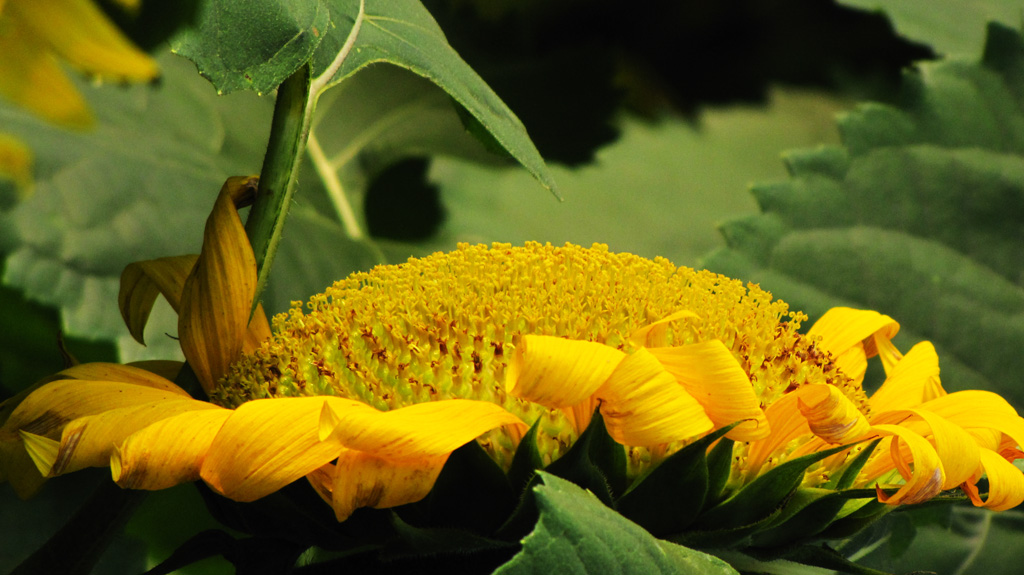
<point>368,390</point>
<point>36,36</point>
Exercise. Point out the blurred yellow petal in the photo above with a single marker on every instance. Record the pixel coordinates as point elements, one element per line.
<point>362,479</point>
<point>89,441</point>
<point>15,158</point>
<point>1005,483</point>
<point>419,430</point>
<point>923,473</point>
<point>266,444</point>
<point>830,414</point>
<point>217,297</point>
<point>79,32</point>
<point>912,381</point>
<point>18,468</point>
<point>32,78</point>
<point>655,334</point>
<point>709,372</point>
<point>843,332</point>
<point>142,281</point>
<point>643,404</point>
<point>558,372</point>
<point>167,452</point>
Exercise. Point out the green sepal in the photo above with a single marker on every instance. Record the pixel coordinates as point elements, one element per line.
<point>726,538</point>
<point>249,556</point>
<point>669,497</point>
<point>851,524</point>
<point>526,460</point>
<point>471,493</point>
<point>417,542</point>
<point>827,558</point>
<point>849,475</point>
<point>595,462</point>
<point>808,512</point>
<point>719,469</point>
<point>765,495</point>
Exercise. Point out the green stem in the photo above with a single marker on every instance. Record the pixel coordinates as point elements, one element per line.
<point>288,134</point>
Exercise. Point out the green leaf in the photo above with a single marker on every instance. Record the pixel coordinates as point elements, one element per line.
<point>949,26</point>
<point>576,534</point>
<point>404,34</point>
<point>253,45</point>
<point>917,216</point>
<point>139,186</point>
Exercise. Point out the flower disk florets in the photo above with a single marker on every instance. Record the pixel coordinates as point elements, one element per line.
<point>446,326</point>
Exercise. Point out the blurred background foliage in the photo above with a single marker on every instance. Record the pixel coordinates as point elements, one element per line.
<point>657,124</point>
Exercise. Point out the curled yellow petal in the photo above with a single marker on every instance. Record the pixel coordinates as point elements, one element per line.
<point>558,372</point>
<point>923,474</point>
<point>643,404</point>
<point>978,409</point>
<point>266,444</point>
<point>786,423</point>
<point>709,372</point>
<point>168,452</point>
<point>1005,483</point>
<point>142,282</point>
<point>913,380</point>
<point>654,334</point>
<point>362,479</point>
<point>853,335</point>
<point>957,449</point>
<point>217,296</point>
<point>830,414</point>
<point>80,33</point>
<point>418,430</point>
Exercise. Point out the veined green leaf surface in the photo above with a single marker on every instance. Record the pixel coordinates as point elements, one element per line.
<point>918,216</point>
<point>576,534</point>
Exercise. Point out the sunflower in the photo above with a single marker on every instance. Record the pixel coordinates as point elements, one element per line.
<point>367,390</point>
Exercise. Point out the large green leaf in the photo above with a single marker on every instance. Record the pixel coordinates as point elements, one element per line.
<point>139,186</point>
<point>950,26</point>
<point>918,215</point>
<point>577,534</point>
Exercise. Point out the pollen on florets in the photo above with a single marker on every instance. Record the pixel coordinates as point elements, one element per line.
<point>445,326</point>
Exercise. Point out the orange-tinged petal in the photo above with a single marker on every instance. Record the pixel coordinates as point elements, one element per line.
<point>80,33</point>
<point>48,409</point>
<point>362,479</point>
<point>217,297</point>
<point>830,414</point>
<point>709,372</point>
<point>786,423</point>
<point>142,281</point>
<point>655,334</point>
<point>843,330</point>
<point>558,372</point>
<point>418,430</point>
<point>912,380</point>
<point>643,404</point>
<point>266,444</point>
<point>31,77</point>
<point>925,479</point>
<point>1005,483</point>
<point>89,441</point>
<point>167,452</point>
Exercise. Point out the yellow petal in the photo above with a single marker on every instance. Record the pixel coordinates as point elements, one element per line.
<point>558,372</point>
<point>42,450</point>
<point>31,77</point>
<point>654,334</point>
<point>142,281</point>
<point>135,374</point>
<point>18,468</point>
<point>709,372</point>
<point>15,159</point>
<point>89,441</point>
<point>844,331</point>
<point>957,449</point>
<point>1005,483</point>
<point>48,409</point>
<point>925,479</point>
<point>786,423</point>
<point>830,414</point>
<point>217,296</point>
<point>167,452</point>
<point>267,443</point>
<point>81,34</point>
<point>978,409</point>
<point>362,479</point>
<point>643,404</point>
<point>419,430</point>
<point>912,381</point>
